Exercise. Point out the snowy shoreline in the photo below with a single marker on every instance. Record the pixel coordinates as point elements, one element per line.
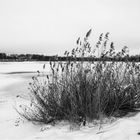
<point>13,127</point>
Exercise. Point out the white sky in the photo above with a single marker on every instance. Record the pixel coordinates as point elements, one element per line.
<point>53,26</point>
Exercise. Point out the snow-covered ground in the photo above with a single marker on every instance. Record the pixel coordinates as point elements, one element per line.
<point>14,79</point>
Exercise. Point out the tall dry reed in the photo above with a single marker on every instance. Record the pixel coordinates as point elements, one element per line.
<point>84,91</point>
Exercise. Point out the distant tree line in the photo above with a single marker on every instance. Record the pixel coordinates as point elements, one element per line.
<point>38,57</point>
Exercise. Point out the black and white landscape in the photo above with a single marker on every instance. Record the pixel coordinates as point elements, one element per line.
<point>69,70</point>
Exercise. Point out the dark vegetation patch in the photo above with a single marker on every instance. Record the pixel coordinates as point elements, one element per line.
<point>82,92</point>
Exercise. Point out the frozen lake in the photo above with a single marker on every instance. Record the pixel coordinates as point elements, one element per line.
<point>7,67</point>
<point>15,76</point>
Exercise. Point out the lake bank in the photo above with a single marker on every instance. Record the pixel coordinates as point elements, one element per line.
<point>15,82</point>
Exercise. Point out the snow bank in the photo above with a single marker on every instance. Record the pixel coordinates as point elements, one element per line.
<point>7,80</point>
<point>13,127</point>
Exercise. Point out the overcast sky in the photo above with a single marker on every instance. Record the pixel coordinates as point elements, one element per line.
<point>53,26</point>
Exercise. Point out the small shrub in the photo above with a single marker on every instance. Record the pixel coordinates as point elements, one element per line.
<point>80,91</point>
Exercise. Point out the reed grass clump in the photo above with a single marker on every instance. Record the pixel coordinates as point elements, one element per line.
<point>80,91</point>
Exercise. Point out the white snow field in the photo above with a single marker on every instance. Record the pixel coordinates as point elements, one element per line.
<point>14,79</point>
